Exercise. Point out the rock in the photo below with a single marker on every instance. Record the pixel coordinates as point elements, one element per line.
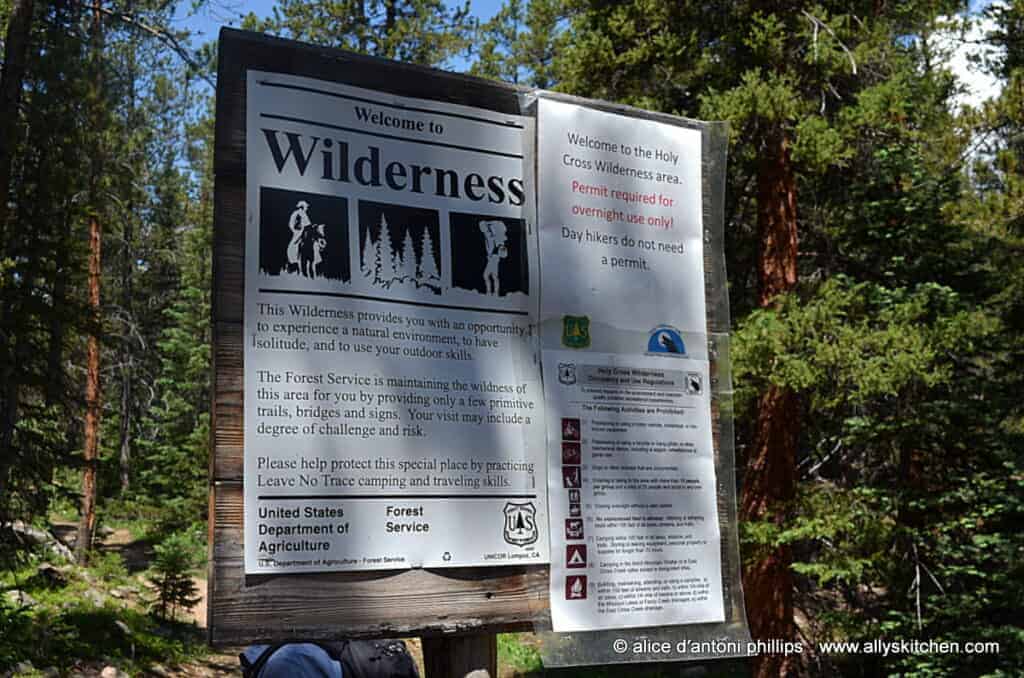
<point>51,672</point>
<point>95,597</point>
<point>113,672</point>
<point>42,539</point>
<point>103,531</point>
<point>162,631</point>
<point>158,671</point>
<point>54,576</point>
<point>30,534</point>
<point>124,592</point>
<point>23,667</point>
<point>123,627</point>
<point>20,598</point>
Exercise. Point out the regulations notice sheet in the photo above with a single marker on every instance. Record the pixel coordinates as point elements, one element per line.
<point>393,405</point>
<point>631,477</point>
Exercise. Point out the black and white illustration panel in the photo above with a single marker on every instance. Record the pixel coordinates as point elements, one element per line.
<point>304,235</point>
<point>489,255</point>
<point>399,247</point>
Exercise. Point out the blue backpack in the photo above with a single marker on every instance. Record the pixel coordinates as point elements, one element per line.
<point>357,659</point>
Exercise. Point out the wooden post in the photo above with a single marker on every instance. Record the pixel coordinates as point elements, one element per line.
<point>473,656</point>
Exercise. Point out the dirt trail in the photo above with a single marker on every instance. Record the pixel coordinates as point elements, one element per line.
<point>138,555</point>
<point>198,613</point>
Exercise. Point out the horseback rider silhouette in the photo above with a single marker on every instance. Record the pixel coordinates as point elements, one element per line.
<point>297,223</point>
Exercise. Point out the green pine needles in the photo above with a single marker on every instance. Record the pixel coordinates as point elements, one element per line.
<point>172,576</point>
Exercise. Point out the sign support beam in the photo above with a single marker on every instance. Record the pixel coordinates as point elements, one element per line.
<point>472,656</point>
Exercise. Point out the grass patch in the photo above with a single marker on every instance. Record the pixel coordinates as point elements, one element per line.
<point>95,614</point>
<point>521,657</point>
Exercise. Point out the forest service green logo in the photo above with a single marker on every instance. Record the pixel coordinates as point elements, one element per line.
<point>575,331</point>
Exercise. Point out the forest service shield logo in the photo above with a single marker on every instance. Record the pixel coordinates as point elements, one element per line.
<point>576,331</point>
<point>520,523</point>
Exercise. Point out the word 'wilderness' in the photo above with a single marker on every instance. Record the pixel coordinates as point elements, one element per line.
<point>335,164</point>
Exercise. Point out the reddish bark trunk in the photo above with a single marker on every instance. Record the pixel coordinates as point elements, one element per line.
<point>776,220</point>
<point>87,522</point>
<point>93,395</point>
<point>769,485</point>
<point>770,478</point>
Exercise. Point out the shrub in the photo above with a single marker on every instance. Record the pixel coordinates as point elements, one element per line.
<point>171,573</point>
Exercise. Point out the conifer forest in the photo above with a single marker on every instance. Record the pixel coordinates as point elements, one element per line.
<point>874,243</point>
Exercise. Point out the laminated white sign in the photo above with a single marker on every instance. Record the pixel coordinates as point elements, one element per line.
<point>631,477</point>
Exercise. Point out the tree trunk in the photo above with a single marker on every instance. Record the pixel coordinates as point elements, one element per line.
<point>127,264</point>
<point>769,483</point>
<point>56,382</point>
<point>776,220</point>
<point>8,408</point>
<point>11,79</point>
<point>55,349</point>
<point>87,520</point>
<point>125,457</point>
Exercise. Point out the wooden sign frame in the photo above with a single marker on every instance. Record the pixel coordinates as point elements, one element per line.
<point>455,610</point>
<point>325,606</point>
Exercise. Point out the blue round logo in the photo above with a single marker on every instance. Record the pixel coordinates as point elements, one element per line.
<point>666,339</point>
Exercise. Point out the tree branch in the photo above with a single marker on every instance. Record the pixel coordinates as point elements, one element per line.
<point>816,22</point>
<point>160,33</point>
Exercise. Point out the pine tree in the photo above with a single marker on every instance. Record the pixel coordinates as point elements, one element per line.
<point>828,101</point>
<point>173,562</point>
<point>174,445</point>
<point>395,263</point>
<point>428,262</point>
<point>384,265</point>
<point>87,155</point>
<point>371,257</point>
<point>408,263</point>
<point>428,32</point>
<point>43,314</point>
<point>365,243</point>
<point>519,44</point>
<point>498,39</point>
<point>12,78</point>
